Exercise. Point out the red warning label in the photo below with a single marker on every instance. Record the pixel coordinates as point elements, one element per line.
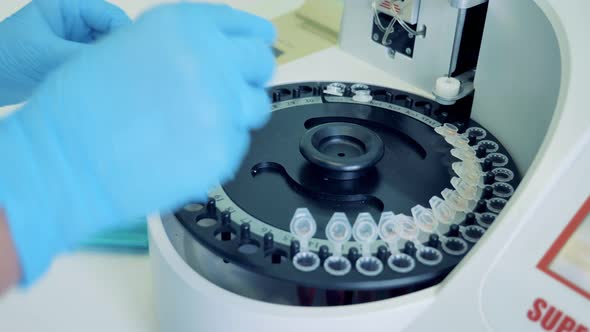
<point>551,318</point>
<point>567,261</point>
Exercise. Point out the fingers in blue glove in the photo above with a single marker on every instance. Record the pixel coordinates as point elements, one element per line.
<point>103,17</point>
<point>43,35</point>
<point>231,22</point>
<point>245,59</point>
<point>255,108</point>
<point>241,24</point>
<point>254,59</point>
<point>252,66</point>
<point>81,20</point>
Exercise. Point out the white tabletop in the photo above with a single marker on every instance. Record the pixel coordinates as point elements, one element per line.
<point>89,292</point>
<point>93,291</point>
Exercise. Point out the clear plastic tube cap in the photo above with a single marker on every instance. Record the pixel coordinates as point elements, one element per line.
<point>362,93</point>
<point>338,229</point>
<point>303,226</point>
<point>405,227</point>
<point>464,154</point>
<point>468,171</point>
<point>359,87</point>
<point>387,228</point>
<point>365,229</point>
<point>335,88</point>
<point>446,129</point>
<point>454,200</point>
<point>362,96</point>
<point>458,142</point>
<point>424,219</point>
<point>466,190</point>
<point>441,210</point>
<point>447,87</point>
<point>471,165</point>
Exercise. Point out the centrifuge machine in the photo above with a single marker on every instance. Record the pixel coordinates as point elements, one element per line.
<point>428,173</point>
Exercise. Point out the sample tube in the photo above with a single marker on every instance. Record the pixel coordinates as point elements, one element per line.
<point>365,232</point>
<point>303,228</point>
<point>338,232</point>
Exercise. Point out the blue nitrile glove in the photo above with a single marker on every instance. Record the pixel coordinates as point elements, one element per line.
<point>151,116</point>
<point>44,34</point>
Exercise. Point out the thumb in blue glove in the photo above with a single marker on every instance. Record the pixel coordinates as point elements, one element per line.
<point>43,35</point>
<point>148,118</point>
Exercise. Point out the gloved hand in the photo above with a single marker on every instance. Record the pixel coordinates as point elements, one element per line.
<point>148,118</point>
<point>43,35</point>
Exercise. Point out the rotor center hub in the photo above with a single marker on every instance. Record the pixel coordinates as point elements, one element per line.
<point>343,150</point>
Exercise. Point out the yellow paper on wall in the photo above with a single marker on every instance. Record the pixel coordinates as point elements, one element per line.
<point>313,27</point>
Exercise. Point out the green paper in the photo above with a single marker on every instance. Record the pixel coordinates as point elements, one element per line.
<point>128,238</point>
